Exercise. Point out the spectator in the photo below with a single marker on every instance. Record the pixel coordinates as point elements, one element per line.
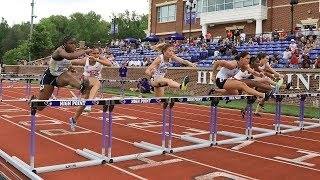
<point>229,35</point>
<point>287,55</point>
<point>294,59</point>
<point>123,70</point>
<point>144,86</point>
<point>307,47</point>
<point>317,63</point>
<point>250,42</point>
<point>306,63</point>
<point>242,37</point>
<point>237,36</point>
<point>293,46</point>
<point>208,37</point>
<point>275,35</point>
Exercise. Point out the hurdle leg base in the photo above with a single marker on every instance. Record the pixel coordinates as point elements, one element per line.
<point>20,165</point>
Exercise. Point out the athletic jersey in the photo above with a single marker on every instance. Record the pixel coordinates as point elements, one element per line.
<point>92,70</point>
<point>58,67</point>
<point>226,73</point>
<point>242,75</point>
<point>162,68</point>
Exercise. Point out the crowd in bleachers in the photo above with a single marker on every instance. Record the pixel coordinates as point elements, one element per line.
<point>300,50</point>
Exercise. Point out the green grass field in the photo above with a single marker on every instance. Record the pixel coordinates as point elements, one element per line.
<point>290,110</point>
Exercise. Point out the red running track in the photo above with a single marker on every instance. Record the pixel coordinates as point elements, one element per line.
<point>262,159</point>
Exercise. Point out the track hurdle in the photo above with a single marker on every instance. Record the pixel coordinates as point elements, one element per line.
<point>301,123</point>
<point>18,77</point>
<point>280,128</point>
<point>151,151</point>
<point>29,169</point>
<point>200,143</point>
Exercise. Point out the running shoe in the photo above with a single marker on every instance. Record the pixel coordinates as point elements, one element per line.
<point>73,124</point>
<point>268,94</point>
<point>184,83</point>
<point>87,109</point>
<point>257,114</point>
<point>278,86</point>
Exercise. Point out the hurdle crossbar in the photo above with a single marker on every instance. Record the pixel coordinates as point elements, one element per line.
<point>15,77</point>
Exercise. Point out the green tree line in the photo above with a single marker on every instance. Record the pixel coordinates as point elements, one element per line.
<point>49,32</point>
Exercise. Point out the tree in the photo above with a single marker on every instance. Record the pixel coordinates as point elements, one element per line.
<point>131,25</point>
<point>12,56</point>
<point>15,36</point>
<point>41,44</point>
<point>89,27</point>
<point>56,27</point>
<point>4,29</point>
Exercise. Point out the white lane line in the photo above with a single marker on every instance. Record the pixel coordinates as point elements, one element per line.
<point>242,145</point>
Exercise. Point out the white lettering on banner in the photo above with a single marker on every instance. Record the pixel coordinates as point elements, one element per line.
<point>214,175</point>
<point>138,101</point>
<point>210,77</point>
<point>194,99</point>
<point>72,103</point>
<point>61,132</point>
<point>202,77</point>
<point>315,77</point>
<point>303,80</point>
<point>300,160</point>
<point>152,163</point>
<point>194,132</point>
<point>289,79</point>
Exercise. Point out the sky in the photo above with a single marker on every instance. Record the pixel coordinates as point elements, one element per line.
<point>17,11</point>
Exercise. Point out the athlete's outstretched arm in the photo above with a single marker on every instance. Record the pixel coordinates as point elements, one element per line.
<point>223,63</point>
<point>185,62</point>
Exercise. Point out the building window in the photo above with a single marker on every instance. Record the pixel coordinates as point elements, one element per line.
<point>228,4</point>
<point>167,13</point>
<point>211,5</point>
<point>247,3</point>
<point>256,2</point>
<point>220,5</point>
<point>199,5</point>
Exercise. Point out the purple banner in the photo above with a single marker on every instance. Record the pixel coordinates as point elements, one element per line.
<point>190,17</point>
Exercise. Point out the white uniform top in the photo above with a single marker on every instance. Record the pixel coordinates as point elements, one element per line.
<point>162,68</point>
<point>92,70</point>
<point>242,75</point>
<point>226,73</point>
<point>58,67</point>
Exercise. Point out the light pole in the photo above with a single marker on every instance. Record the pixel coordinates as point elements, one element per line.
<point>292,3</point>
<point>31,26</point>
<point>190,5</point>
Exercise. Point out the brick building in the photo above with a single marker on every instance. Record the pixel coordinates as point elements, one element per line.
<point>218,16</point>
